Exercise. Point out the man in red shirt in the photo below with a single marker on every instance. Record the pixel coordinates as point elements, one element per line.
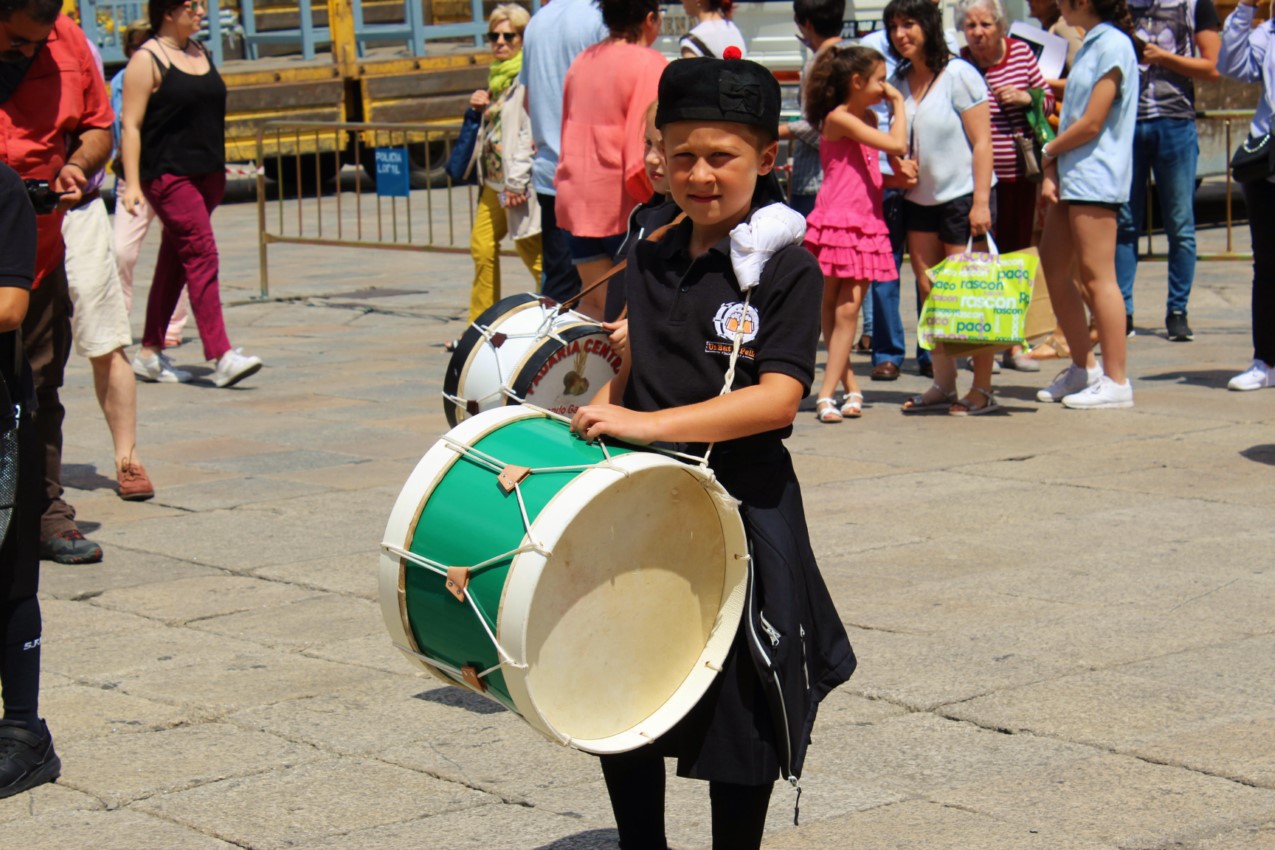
<point>50,92</point>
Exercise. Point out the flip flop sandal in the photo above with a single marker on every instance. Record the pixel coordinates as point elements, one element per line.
<point>964,408</point>
<point>918,404</point>
<point>852,405</point>
<point>826,411</point>
<point>1052,348</point>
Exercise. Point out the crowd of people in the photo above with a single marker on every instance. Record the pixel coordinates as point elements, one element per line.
<point>907,141</point>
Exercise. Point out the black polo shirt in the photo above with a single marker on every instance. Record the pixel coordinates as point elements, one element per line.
<point>683,313</point>
<point>17,266</point>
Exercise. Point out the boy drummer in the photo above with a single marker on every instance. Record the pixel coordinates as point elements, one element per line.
<point>689,319</point>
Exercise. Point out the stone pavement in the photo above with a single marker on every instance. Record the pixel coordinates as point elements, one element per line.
<point>1064,620</point>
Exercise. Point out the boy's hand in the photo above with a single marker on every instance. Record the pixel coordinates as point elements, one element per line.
<point>595,420</point>
<point>619,337</point>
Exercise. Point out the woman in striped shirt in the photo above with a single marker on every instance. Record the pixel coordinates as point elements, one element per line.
<point>1010,68</point>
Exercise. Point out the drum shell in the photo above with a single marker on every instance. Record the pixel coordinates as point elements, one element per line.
<point>535,336</point>
<point>521,593</point>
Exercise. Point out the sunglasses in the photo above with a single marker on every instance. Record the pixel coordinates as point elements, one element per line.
<point>507,37</point>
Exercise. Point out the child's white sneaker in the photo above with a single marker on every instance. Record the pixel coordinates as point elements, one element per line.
<point>1073,379</point>
<point>234,366</point>
<point>1106,394</point>
<point>1258,376</point>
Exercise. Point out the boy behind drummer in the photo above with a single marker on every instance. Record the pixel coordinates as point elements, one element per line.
<point>689,320</point>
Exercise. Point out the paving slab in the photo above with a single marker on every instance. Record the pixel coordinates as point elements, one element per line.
<point>185,600</point>
<point>46,801</point>
<point>125,768</point>
<point>286,807</point>
<point>349,575</point>
<point>304,624</point>
<point>116,830</point>
<point>76,712</point>
<point>121,568</point>
<point>1106,708</point>
<point>919,754</point>
<point>1120,801</point>
<point>918,823</point>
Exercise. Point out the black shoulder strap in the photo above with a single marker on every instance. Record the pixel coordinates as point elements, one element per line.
<point>162,67</point>
<point>700,45</point>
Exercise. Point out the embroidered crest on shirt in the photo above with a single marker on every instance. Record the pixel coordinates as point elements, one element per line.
<point>731,318</point>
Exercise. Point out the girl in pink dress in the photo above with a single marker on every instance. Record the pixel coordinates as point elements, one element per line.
<point>847,230</point>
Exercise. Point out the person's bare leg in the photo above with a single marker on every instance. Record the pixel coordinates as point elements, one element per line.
<point>594,303</point>
<point>1095,237</point>
<point>925,251</point>
<point>116,388</point>
<point>1056,255</point>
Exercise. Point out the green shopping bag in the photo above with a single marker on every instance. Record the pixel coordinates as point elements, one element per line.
<point>978,298</point>
<point>1037,119</point>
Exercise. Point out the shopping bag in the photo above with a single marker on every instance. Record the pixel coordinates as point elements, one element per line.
<point>979,299</point>
<point>458,165</point>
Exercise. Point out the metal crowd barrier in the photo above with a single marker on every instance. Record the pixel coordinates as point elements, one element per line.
<point>303,157</point>
<point>1226,117</point>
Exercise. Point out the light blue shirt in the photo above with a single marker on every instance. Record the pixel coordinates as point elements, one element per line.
<point>117,104</point>
<point>1248,55</point>
<point>1101,169</point>
<point>879,40</point>
<point>936,133</point>
<point>554,37</point>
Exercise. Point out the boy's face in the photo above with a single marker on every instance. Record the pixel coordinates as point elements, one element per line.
<point>653,156</point>
<point>713,168</point>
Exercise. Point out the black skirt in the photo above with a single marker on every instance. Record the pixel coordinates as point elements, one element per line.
<point>731,734</point>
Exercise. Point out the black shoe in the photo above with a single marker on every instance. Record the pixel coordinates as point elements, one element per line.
<point>1179,330</point>
<point>26,758</point>
<point>1128,325</point>
<point>925,370</point>
<point>70,547</point>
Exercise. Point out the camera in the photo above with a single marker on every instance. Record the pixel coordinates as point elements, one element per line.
<point>44,199</point>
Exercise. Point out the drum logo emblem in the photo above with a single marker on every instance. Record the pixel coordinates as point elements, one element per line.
<point>734,316</point>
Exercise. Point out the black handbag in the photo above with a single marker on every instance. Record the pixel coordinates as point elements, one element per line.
<point>458,164</point>
<point>1254,160</point>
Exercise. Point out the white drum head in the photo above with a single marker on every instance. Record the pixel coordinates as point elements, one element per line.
<point>629,620</point>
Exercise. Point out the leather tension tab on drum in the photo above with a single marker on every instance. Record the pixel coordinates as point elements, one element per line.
<point>470,674</point>
<point>457,581</point>
<point>498,340</point>
<point>511,476</point>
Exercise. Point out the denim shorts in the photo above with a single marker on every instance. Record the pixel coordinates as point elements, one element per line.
<point>586,249</point>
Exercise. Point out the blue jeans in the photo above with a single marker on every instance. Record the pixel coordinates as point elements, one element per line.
<point>558,277</point>
<point>889,343</point>
<point>1169,149</point>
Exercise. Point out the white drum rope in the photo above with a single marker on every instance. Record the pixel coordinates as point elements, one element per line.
<point>730,369</point>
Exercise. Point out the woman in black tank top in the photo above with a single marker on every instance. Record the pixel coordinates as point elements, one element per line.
<point>172,138</point>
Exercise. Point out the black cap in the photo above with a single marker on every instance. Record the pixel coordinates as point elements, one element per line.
<point>707,89</point>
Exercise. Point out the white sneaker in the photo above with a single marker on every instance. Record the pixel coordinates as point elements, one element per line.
<point>1259,376</point>
<point>1106,394</point>
<point>1073,379</point>
<point>234,366</point>
<point>158,369</point>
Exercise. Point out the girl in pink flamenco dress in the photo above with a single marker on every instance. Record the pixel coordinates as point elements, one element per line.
<point>846,231</point>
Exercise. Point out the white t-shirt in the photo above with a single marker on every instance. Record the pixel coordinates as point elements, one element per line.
<point>936,136</point>
<point>717,35</point>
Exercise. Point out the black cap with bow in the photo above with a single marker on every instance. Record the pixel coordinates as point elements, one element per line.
<point>707,89</point>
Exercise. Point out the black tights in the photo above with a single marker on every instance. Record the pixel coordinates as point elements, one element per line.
<point>20,660</point>
<point>635,782</point>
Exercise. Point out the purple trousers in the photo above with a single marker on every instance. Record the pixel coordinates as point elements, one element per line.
<point>187,257</point>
